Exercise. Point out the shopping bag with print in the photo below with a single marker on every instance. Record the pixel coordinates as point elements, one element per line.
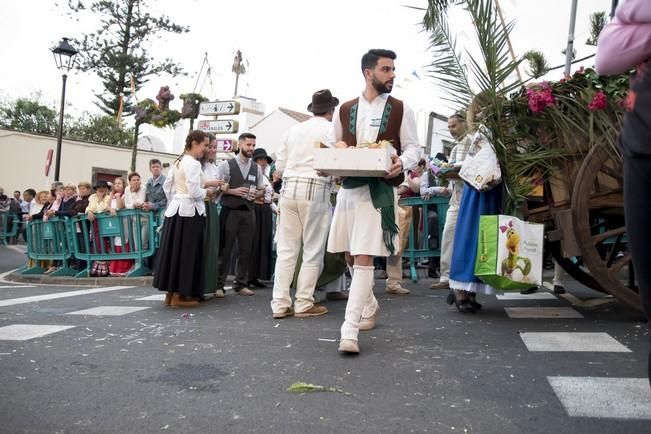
<point>509,252</point>
<point>481,170</point>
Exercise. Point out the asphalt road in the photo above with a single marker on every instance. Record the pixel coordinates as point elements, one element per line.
<point>226,366</point>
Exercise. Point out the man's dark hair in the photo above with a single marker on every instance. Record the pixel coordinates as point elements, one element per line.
<point>457,116</point>
<point>30,191</point>
<point>322,114</point>
<point>154,161</point>
<point>211,137</point>
<point>245,136</point>
<point>370,59</point>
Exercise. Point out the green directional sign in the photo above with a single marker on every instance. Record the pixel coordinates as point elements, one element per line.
<point>216,108</point>
<point>218,126</point>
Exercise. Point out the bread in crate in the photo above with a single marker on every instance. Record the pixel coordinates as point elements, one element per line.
<point>367,159</point>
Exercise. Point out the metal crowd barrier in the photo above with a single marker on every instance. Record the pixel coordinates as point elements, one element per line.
<point>440,204</point>
<point>49,241</point>
<point>130,235</point>
<point>8,226</point>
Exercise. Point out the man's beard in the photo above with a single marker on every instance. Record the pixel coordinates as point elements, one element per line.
<point>247,154</point>
<point>382,87</point>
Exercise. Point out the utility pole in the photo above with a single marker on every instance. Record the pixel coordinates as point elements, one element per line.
<point>238,68</point>
<point>570,40</point>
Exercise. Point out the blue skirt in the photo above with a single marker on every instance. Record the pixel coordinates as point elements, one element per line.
<point>473,205</point>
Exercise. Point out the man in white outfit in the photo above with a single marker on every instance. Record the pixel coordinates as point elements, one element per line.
<point>457,128</point>
<point>304,216</point>
<point>365,221</point>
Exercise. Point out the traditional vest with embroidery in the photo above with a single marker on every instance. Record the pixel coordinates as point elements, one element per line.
<point>389,127</point>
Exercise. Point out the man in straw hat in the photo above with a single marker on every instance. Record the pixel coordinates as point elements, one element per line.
<point>357,227</point>
<point>304,211</point>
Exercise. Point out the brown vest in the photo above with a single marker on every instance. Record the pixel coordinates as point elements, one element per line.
<point>389,127</point>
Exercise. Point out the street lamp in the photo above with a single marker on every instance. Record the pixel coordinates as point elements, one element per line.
<point>64,55</point>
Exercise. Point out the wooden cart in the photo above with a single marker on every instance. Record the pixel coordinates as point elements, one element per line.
<point>583,210</point>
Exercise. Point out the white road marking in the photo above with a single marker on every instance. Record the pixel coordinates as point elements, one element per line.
<point>615,398</point>
<point>155,297</point>
<point>54,296</point>
<point>17,286</point>
<point>542,312</point>
<point>572,342</point>
<point>23,332</point>
<point>108,310</point>
<point>518,296</point>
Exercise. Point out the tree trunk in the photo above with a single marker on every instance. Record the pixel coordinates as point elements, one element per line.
<point>125,49</point>
<point>191,124</point>
<point>134,149</point>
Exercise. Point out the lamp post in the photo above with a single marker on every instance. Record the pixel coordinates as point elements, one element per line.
<point>64,55</point>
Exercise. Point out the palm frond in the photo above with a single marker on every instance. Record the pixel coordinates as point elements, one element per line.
<point>447,69</point>
<point>538,65</point>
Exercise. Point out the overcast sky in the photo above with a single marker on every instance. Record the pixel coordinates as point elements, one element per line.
<point>294,47</point>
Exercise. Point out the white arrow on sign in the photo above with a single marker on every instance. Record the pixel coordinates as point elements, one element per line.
<point>216,108</point>
<point>218,126</point>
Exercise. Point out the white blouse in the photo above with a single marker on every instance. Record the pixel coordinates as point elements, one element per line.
<point>184,188</point>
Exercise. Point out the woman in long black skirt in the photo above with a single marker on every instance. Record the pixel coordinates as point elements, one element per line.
<point>179,271</point>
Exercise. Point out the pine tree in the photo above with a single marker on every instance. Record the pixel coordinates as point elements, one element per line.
<point>118,50</point>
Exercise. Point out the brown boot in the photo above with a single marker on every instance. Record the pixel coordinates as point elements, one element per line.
<point>315,310</point>
<point>179,301</point>
<point>168,299</point>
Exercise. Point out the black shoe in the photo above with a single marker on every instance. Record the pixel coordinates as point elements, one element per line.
<point>529,291</point>
<point>256,284</point>
<point>336,296</point>
<point>473,303</point>
<point>464,306</point>
<point>450,298</point>
<point>558,289</point>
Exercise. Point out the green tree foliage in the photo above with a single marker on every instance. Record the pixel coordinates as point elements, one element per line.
<point>28,115</point>
<point>99,129</point>
<point>118,50</point>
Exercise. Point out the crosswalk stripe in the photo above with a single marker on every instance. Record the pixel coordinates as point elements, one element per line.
<point>54,296</point>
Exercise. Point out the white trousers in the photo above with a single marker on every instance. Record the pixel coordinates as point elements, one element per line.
<point>301,223</point>
<point>447,242</point>
<point>361,301</point>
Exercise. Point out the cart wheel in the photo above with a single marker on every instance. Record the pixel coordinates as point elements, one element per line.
<point>573,267</point>
<point>598,219</point>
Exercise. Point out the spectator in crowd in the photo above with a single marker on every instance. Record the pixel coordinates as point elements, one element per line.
<point>237,217</point>
<point>29,202</point>
<point>135,196</point>
<point>260,262</point>
<point>407,216</point>
<point>179,271</point>
<point>67,205</point>
<point>155,199</point>
<point>81,203</point>
<point>8,204</point>
<point>42,201</point>
<point>119,267</point>
<point>429,187</point>
<point>56,199</point>
<point>99,202</point>
<point>36,213</point>
<point>457,129</point>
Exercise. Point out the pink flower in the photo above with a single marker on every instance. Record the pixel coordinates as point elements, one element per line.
<point>599,102</point>
<point>541,98</point>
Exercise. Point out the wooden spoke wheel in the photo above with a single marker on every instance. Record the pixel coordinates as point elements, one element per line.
<point>574,267</point>
<point>598,220</point>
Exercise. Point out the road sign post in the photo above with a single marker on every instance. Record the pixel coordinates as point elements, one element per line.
<point>218,126</point>
<point>217,108</point>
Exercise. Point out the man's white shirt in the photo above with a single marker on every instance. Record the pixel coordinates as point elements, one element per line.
<point>369,117</point>
<point>295,157</point>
